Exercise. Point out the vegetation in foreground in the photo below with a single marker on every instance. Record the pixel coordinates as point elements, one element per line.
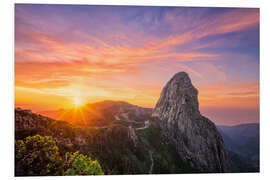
<point>40,156</point>
<point>68,149</point>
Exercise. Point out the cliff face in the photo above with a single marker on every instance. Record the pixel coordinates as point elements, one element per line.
<point>196,138</point>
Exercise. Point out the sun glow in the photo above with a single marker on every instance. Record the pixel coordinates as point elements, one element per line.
<point>77,102</point>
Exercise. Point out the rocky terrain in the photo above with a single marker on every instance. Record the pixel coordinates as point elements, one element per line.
<point>126,139</point>
<point>196,138</point>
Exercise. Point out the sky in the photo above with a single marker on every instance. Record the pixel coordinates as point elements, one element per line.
<point>128,53</point>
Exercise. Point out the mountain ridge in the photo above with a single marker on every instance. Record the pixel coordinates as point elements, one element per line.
<point>244,140</point>
<point>101,113</point>
<point>127,139</point>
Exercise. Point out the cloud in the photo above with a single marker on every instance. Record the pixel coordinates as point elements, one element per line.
<point>191,71</point>
<point>129,57</point>
<point>219,24</point>
<point>57,59</point>
<point>230,95</point>
<point>244,94</point>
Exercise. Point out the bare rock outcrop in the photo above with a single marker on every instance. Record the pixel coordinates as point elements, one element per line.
<point>196,138</point>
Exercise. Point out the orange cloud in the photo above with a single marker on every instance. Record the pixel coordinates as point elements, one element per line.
<point>240,95</point>
<point>55,63</point>
<point>53,50</point>
<point>50,67</point>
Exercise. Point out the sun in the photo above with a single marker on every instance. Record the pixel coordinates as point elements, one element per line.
<point>77,102</point>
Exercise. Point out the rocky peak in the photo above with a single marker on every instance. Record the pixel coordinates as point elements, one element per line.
<point>196,138</point>
<point>183,79</point>
<point>179,94</point>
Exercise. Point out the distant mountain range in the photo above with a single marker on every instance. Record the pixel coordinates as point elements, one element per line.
<point>244,140</point>
<point>101,113</point>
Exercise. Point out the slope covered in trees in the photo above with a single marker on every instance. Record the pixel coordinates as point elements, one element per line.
<point>119,147</point>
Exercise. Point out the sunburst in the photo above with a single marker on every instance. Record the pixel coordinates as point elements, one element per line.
<point>77,101</point>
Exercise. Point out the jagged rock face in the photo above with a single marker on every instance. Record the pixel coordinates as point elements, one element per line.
<point>196,138</point>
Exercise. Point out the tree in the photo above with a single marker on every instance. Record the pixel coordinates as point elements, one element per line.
<point>37,155</point>
<point>79,164</point>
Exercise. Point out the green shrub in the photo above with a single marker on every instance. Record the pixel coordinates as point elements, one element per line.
<point>79,164</point>
<point>40,156</point>
<point>37,155</point>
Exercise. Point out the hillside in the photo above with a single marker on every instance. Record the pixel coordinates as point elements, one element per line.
<point>243,141</point>
<point>127,139</point>
<point>120,148</point>
<point>101,113</point>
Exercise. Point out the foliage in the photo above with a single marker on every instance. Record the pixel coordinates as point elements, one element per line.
<point>79,164</point>
<point>39,155</point>
<point>165,156</point>
<point>112,147</point>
